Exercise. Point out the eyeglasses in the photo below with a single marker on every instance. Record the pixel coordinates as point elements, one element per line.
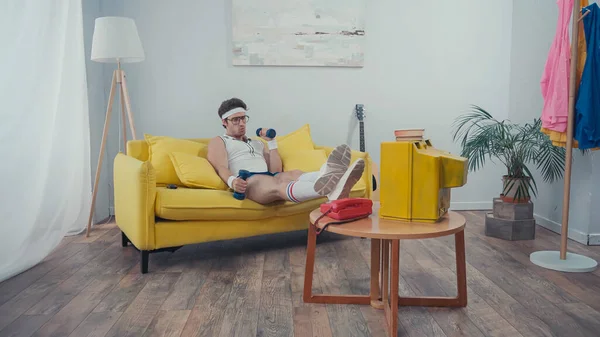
<point>237,120</point>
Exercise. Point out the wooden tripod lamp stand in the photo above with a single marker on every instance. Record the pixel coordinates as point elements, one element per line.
<point>115,40</point>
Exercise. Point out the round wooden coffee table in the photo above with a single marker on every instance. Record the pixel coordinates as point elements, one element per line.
<point>385,238</point>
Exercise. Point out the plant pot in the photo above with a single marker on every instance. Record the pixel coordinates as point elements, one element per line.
<point>515,190</point>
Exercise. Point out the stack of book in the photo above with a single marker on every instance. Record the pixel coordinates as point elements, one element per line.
<point>409,134</point>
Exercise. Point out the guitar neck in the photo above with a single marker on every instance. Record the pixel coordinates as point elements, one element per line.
<point>362,136</point>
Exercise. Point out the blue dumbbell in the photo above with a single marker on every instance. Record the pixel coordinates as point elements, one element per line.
<point>244,175</point>
<point>270,133</point>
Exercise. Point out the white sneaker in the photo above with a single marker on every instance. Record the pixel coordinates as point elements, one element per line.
<point>348,180</point>
<point>333,170</point>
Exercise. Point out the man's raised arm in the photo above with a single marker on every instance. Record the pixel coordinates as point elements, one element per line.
<point>273,160</point>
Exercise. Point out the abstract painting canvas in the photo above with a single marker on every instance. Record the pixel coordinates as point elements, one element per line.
<point>298,32</point>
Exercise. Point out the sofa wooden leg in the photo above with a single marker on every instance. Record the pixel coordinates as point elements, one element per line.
<point>124,239</point>
<point>144,264</point>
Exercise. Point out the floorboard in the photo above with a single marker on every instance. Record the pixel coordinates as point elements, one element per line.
<point>253,287</point>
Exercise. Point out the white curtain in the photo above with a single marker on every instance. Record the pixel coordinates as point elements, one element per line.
<point>45,186</point>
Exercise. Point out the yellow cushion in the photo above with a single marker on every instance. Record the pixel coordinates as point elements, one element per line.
<point>288,145</point>
<point>159,148</point>
<point>195,171</point>
<point>366,174</point>
<point>205,204</point>
<point>359,186</point>
<point>305,160</point>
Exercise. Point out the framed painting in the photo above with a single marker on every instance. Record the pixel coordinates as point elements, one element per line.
<point>298,32</point>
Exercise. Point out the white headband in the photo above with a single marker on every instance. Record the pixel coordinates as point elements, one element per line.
<point>232,111</point>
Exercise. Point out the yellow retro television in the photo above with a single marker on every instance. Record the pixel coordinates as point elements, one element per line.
<point>416,178</point>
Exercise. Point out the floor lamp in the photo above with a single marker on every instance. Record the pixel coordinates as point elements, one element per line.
<point>563,260</point>
<point>115,40</point>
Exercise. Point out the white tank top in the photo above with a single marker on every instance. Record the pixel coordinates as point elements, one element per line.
<point>245,155</point>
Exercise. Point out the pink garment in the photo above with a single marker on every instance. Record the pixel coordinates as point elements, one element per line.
<point>555,79</point>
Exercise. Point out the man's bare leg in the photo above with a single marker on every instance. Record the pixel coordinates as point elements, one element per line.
<point>334,179</point>
<point>265,189</point>
<point>289,176</point>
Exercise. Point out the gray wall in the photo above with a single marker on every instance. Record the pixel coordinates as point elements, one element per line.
<point>417,74</point>
<point>424,65</point>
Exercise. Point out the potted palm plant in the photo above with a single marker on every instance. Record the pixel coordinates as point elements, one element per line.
<point>482,137</point>
<point>519,148</point>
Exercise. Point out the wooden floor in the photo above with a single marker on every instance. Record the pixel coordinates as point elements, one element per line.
<point>252,287</point>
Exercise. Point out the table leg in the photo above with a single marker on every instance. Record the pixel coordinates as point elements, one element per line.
<point>376,301</point>
<point>308,296</point>
<point>390,307</point>
<point>310,263</point>
<point>385,273</point>
<point>461,274</point>
<point>461,268</point>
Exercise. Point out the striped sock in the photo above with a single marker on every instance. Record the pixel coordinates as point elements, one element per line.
<point>310,176</point>
<point>299,191</point>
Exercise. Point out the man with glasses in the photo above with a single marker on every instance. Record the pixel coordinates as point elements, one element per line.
<point>234,151</point>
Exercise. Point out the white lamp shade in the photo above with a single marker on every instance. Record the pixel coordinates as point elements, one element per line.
<point>116,39</point>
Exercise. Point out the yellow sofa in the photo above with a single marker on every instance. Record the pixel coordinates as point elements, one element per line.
<point>156,218</point>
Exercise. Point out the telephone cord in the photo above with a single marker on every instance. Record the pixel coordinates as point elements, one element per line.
<point>339,222</point>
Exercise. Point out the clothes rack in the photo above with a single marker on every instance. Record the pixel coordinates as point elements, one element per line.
<point>563,260</point>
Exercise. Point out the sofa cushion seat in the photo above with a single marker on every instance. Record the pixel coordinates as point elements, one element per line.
<point>208,204</point>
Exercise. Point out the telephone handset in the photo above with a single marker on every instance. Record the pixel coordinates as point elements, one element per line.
<point>348,208</point>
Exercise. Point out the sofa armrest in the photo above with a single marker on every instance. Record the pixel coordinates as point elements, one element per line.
<point>367,176</point>
<point>134,195</point>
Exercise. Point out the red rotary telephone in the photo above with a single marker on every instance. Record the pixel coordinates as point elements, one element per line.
<point>348,208</point>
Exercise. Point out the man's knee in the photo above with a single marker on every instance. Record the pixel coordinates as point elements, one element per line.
<point>296,174</point>
<point>282,178</point>
<point>287,176</point>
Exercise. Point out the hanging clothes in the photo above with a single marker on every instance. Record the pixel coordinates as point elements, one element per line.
<point>587,108</point>
<point>560,138</point>
<point>555,78</point>
<point>581,44</point>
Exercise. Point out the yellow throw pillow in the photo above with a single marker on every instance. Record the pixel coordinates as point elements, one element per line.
<point>299,140</point>
<point>159,148</point>
<point>196,172</point>
<point>305,160</point>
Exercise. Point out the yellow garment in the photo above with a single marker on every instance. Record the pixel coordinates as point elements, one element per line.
<point>560,138</point>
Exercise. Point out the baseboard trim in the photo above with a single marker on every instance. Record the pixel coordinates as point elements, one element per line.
<point>594,239</point>
<point>575,235</point>
<point>470,205</point>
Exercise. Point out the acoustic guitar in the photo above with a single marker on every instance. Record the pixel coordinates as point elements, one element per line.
<point>359,110</point>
